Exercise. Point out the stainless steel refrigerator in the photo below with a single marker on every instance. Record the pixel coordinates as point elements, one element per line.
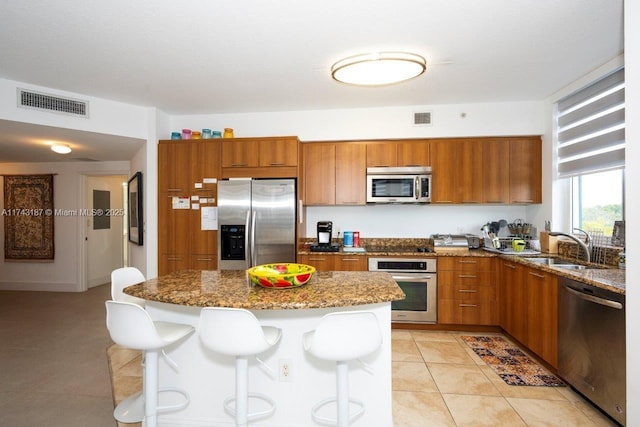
<point>256,221</point>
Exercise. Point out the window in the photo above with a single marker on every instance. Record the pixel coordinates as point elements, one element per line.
<point>591,147</point>
<point>597,201</point>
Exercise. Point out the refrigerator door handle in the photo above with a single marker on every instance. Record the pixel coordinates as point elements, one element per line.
<point>248,240</point>
<point>253,238</point>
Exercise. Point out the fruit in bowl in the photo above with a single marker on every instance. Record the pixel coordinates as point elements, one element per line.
<point>281,275</point>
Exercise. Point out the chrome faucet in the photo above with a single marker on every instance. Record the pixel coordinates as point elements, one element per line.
<point>586,245</point>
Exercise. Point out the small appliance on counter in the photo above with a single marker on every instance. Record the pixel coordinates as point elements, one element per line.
<point>324,229</point>
<point>450,242</point>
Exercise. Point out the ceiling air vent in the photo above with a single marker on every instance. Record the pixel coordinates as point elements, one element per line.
<point>42,101</point>
<point>422,119</point>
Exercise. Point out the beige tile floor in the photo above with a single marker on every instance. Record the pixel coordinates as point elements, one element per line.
<point>439,381</point>
<point>54,372</point>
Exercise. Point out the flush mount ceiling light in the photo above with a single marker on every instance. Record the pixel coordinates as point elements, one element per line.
<point>61,148</point>
<point>381,68</point>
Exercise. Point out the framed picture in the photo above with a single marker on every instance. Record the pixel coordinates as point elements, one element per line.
<point>134,209</point>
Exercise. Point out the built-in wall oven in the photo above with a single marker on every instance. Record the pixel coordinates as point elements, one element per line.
<point>417,278</point>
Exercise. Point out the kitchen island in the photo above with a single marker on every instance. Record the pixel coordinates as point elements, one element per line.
<point>209,377</point>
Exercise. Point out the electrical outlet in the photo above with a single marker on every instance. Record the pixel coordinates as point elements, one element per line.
<point>285,370</point>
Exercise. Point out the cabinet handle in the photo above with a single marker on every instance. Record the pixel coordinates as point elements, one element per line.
<point>235,165</point>
<point>470,201</point>
<point>277,164</point>
<point>467,291</point>
<point>204,259</point>
<point>471,261</point>
<point>523,201</point>
<point>541,276</point>
<point>467,305</point>
<point>350,259</point>
<point>174,189</point>
<point>467,276</point>
<point>510,266</point>
<point>317,259</point>
<point>494,201</point>
<point>174,259</point>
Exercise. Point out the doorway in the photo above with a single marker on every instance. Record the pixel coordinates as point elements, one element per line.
<point>104,227</point>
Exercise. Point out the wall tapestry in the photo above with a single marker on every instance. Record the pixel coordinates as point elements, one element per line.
<point>28,218</point>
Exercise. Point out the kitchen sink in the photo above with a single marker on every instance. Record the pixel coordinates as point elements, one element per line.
<point>560,263</point>
<point>570,266</point>
<point>552,261</point>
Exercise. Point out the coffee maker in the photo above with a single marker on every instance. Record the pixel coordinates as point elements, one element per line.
<point>324,229</point>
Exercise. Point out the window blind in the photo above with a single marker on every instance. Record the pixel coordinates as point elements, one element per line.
<point>591,127</point>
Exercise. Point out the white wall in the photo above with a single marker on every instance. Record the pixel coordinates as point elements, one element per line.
<point>65,273</point>
<point>109,117</point>
<point>409,221</point>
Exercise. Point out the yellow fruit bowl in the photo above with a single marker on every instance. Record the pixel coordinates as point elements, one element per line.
<point>281,275</point>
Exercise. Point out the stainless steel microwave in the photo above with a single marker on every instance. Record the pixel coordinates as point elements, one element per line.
<point>399,185</point>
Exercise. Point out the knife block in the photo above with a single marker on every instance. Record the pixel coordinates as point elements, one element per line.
<point>548,244</point>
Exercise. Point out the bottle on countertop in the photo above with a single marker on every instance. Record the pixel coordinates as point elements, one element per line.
<point>356,239</point>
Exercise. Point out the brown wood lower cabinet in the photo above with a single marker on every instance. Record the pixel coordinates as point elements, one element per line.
<point>467,291</point>
<point>542,314</point>
<point>528,299</point>
<point>511,298</point>
<point>334,262</point>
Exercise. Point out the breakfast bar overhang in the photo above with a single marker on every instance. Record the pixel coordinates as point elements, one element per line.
<point>209,377</point>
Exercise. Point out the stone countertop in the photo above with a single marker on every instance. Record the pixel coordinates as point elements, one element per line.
<point>230,288</point>
<point>610,278</point>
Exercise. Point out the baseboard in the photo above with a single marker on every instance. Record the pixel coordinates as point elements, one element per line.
<point>41,287</point>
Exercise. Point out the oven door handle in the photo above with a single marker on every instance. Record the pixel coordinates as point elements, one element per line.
<point>415,278</point>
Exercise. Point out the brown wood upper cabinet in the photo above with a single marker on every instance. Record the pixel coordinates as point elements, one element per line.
<point>269,153</point>
<point>456,171</point>
<point>334,173</point>
<point>398,153</point>
<point>319,173</point>
<point>486,170</point>
<point>172,158</point>
<point>525,170</point>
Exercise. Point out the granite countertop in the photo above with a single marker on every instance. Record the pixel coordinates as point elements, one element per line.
<point>612,279</point>
<point>230,288</point>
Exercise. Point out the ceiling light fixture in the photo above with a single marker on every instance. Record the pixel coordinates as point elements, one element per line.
<point>61,148</point>
<point>376,69</point>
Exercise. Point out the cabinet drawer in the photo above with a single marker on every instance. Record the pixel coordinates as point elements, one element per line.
<point>350,263</point>
<point>467,312</point>
<point>466,264</point>
<point>466,292</point>
<point>321,262</point>
<point>203,262</point>
<point>446,278</point>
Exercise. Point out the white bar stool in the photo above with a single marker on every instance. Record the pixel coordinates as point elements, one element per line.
<point>131,326</point>
<point>341,337</point>
<point>123,277</point>
<point>237,332</point>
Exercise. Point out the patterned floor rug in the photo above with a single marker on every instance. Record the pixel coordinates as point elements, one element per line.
<point>511,363</point>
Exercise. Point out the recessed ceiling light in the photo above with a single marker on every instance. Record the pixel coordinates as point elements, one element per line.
<point>375,69</point>
<point>61,148</point>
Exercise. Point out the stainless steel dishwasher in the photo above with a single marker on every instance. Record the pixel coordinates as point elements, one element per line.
<point>591,344</point>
